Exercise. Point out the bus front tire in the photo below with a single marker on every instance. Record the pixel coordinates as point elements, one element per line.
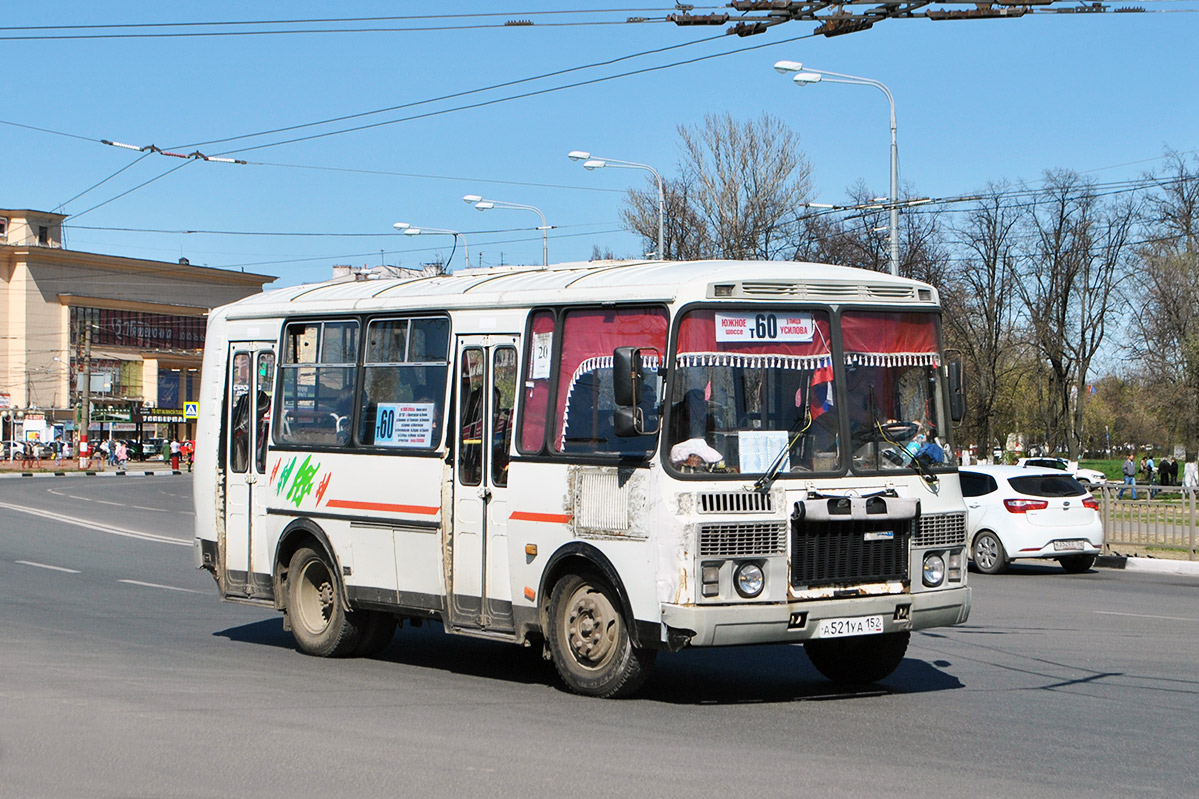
<point>589,640</point>
<point>319,621</point>
<point>375,631</point>
<point>860,659</point>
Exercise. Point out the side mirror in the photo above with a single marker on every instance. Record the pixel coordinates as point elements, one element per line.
<point>957,393</point>
<point>626,376</point>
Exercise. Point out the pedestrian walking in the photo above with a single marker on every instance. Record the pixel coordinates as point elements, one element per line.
<point>176,448</point>
<point>1129,470</point>
<point>122,454</point>
<point>188,448</point>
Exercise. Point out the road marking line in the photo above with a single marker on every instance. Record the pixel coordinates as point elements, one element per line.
<point>1143,616</point>
<point>48,566</point>
<point>97,526</point>
<point>106,502</point>
<point>166,587</point>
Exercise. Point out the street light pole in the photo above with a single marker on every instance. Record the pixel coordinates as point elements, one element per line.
<point>591,164</point>
<point>481,204</point>
<point>803,77</point>
<point>409,230</point>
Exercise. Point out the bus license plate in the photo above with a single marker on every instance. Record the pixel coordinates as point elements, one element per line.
<point>857,625</point>
<point>1067,546</point>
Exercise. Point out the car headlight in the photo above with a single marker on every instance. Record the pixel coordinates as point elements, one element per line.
<point>934,569</point>
<point>749,580</point>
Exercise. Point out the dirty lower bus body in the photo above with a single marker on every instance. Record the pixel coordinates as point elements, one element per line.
<point>605,460</point>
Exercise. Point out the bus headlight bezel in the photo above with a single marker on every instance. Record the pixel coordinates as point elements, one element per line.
<point>749,579</point>
<point>933,571</point>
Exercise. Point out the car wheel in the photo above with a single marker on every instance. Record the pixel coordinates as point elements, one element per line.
<point>988,554</point>
<point>858,660</point>
<point>1077,564</point>
<point>589,639</point>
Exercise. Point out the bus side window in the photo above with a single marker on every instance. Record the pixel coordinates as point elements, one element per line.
<point>503,399</point>
<point>471,394</point>
<point>317,379</point>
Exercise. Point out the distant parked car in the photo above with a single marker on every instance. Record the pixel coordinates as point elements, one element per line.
<point>151,448</point>
<point>1029,512</point>
<point>1088,477</point>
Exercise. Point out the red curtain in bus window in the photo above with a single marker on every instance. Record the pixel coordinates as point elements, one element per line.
<point>536,394</point>
<point>802,340</point>
<point>873,338</point>
<point>588,338</point>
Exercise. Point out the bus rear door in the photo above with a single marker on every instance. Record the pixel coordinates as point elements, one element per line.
<point>247,565</point>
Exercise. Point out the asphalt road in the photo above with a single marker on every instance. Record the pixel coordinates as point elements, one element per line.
<point>121,674</point>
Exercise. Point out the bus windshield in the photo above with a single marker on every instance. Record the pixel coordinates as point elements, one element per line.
<point>896,415</point>
<point>752,387</point>
<point>755,392</point>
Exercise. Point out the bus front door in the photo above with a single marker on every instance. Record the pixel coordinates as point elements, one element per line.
<point>480,591</point>
<point>251,380</point>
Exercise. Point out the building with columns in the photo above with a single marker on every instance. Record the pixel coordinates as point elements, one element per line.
<point>133,328</point>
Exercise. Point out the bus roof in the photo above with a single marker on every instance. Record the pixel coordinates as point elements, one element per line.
<point>590,282</point>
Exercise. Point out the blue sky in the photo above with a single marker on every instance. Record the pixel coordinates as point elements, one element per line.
<point>977,101</point>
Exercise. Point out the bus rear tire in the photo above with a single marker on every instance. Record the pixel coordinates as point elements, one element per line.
<point>589,640</point>
<point>860,659</point>
<point>375,631</point>
<point>316,607</point>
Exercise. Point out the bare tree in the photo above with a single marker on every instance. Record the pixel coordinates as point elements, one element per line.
<point>739,186</point>
<point>1167,300</point>
<point>981,312</point>
<point>1078,250</point>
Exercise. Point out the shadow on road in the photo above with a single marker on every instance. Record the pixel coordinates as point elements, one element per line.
<point>732,675</point>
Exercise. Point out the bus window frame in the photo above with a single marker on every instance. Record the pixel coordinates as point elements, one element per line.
<point>546,451</point>
<point>672,358</point>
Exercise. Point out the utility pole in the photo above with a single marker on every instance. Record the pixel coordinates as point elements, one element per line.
<point>86,410</point>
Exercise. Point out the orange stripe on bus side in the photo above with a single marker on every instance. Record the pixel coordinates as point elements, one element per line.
<point>351,504</point>
<point>552,518</point>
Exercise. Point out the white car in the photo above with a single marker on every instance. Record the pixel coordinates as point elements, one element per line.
<point>1088,477</point>
<point>1027,512</point>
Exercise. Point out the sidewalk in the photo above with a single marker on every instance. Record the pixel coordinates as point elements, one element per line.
<point>47,468</point>
<point>1154,565</point>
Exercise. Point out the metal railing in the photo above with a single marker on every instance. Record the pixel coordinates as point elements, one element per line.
<point>1161,517</point>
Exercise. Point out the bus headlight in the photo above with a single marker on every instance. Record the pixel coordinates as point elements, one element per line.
<point>749,580</point>
<point>934,569</point>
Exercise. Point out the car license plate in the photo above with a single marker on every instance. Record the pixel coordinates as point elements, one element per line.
<point>1069,546</point>
<point>857,625</point>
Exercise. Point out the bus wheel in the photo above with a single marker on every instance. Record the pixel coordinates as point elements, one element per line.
<point>319,621</point>
<point>376,629</point>
<point>589,640</point>
<point>859,659</point>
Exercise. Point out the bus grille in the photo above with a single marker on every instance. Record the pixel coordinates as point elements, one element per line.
<point>942,530</point>
<point>735,502</point>
<point>736,540</point>
<point>838,553</point>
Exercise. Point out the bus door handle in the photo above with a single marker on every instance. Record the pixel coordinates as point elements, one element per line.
<point>484,493</point>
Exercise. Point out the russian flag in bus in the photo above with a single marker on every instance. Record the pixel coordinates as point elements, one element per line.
<point>822,390</point>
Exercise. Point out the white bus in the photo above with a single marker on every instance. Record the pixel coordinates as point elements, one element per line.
<point>607,459</point>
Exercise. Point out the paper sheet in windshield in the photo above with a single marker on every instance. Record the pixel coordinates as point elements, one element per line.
<point>758,448</point>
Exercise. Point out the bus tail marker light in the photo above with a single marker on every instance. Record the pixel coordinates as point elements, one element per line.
<point>530,594</point>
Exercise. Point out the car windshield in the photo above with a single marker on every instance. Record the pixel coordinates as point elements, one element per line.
<point>896,414</point>
<point>752,390</point>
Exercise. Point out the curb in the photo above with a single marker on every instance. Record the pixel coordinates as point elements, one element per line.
<point>114,473</point>
<point>1150,565</point>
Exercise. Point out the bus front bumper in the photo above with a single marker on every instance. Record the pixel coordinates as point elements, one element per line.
<point>725,625</point>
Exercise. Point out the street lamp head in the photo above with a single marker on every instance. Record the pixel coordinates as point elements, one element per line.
<point>578,155</point>
<point>401,226</point>
<point>804,78</point>
<point>471,198</point>
<point>484,205</point>
<point>412,231</point>
<point>594,163</point>
<point>783,67</point>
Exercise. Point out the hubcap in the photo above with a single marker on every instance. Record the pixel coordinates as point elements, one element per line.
<point>592,626</point>
<point>986,552</point>
<point>316,597</point>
